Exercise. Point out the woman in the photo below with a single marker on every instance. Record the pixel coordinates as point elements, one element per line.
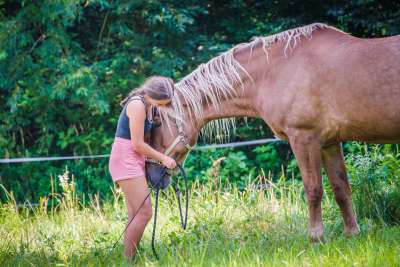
<point>128,153</point>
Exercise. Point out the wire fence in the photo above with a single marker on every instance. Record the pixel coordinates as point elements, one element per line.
<point>205,147</point>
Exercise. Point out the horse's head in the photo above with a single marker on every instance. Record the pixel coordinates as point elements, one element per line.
<point>174,137</point>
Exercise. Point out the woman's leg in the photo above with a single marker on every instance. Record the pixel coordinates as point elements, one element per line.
<point>135,191</point>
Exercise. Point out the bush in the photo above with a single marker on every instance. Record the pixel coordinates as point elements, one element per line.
<point>374,173</point>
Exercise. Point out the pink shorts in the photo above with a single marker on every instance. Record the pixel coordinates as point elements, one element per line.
<point>124,162</point>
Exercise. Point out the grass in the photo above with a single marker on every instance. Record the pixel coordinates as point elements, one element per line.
<point>252,227</point>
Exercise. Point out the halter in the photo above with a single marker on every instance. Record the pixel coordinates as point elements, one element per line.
<point>182,137</point>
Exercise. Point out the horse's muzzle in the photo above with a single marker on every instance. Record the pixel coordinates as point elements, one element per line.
<point>158,176</point>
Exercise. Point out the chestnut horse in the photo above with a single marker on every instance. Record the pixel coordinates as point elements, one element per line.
<point>314,86</point>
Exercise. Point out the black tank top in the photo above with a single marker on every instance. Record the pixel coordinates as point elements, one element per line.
<point>123,129</point>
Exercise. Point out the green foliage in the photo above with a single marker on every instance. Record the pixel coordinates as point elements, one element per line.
<point>375,178</point>
<point>65,66</point>
<point>237,165</point>
<point>92,177</point>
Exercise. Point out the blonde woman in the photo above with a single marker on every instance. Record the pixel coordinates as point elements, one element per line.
<point>129,149</point>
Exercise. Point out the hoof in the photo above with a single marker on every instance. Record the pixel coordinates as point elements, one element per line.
<point>317,235</point>
<point>317,240</point>
<point>352,231</point>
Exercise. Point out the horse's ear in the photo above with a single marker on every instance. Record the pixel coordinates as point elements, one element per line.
<point>155,111</point>
<point>147,138</point>
<point>156,117</point>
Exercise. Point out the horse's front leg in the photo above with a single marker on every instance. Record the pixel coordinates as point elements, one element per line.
<point>307,150</point>
<point>335,168</point>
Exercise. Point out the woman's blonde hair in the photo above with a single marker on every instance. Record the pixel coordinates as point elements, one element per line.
<point>156,87</point>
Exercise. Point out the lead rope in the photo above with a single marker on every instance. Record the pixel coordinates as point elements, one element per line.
<point>157,186</point>
<point>177,192</point>
<point>153,235</point>
<point>137,211</point>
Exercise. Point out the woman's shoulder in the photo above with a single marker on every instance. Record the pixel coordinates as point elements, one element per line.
<point>135,107</point>
<point>136,97</point>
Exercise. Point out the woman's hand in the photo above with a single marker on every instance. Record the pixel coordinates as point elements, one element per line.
<point>168,162</point>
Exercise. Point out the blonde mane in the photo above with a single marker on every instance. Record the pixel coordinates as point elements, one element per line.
<point>219,77</point>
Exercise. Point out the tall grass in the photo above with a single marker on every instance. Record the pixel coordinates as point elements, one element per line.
<point>374,173</point>
<point>265,224</point>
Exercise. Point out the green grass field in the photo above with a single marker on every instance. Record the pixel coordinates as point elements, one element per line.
<point>251,227</point>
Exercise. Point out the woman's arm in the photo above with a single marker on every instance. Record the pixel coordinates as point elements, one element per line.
<point>136,113</point>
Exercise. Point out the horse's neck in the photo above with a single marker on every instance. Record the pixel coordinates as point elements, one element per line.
<point>242,105</point>
<point>263,66</point>
<point>234,107</point>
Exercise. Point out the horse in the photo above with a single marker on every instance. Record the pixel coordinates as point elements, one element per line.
<point>314,86</point>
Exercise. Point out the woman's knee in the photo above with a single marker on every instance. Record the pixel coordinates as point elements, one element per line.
<point>146,212</point>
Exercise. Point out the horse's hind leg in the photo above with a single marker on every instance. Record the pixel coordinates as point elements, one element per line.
<point>334,166</point>
<point>307,149</point>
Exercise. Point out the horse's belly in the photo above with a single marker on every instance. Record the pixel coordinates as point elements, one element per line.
<point>383,131</point>
<point>367,103</point>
